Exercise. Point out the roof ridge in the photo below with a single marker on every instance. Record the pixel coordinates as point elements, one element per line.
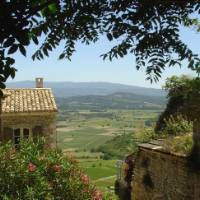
<point>27,89</point>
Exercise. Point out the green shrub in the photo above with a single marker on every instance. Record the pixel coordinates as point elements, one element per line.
<point>182,144</point>
<point>34,173</point>
<point>177,125</point>
<point>145,135</point>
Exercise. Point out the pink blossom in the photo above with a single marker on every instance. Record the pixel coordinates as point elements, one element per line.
<point>97,195</point>
<point>31,167</point>
<point>85,179</point>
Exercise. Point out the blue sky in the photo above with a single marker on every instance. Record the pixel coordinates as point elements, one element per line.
<point>87,66</point>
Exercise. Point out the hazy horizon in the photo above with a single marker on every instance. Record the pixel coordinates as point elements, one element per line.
<point>79,82</point>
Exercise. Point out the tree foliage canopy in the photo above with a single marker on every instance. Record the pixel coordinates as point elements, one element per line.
<point>150,30</point>
<point>184,99</point>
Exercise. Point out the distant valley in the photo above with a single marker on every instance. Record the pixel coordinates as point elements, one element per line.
<point>100,96</point>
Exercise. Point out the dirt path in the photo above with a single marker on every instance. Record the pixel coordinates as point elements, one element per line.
<point>104,178</point>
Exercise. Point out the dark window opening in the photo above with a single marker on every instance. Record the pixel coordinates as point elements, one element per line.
<point>17,136</point>
<point>25,133</point>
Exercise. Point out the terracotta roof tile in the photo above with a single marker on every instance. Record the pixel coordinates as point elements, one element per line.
<point>28,100</point>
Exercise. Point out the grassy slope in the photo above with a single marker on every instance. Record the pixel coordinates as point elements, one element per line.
<point>102,173</point>
<point>93,167</point>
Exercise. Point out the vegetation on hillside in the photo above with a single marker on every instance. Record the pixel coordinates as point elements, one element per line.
<point>184,99</point>
<point>113,101</point>
<point>118,147</point>
<point>179,89</point>
<point>176,125</point>
<point>125,144</point>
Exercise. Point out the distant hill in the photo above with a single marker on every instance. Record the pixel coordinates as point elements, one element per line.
<point>68,89</point>
<point>112,101</point>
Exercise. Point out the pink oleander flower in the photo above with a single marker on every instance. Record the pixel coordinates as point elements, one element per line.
<point>31,167</point>
<point>57,168</point>
<point>97,195</point>
<point>84,179</point>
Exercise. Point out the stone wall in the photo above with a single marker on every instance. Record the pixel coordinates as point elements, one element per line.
<point>159,175</point>
<point>42,124</point>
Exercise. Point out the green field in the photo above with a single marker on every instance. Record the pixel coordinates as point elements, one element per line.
<point>81,132</point>
<point>81,139</point>
<point>93,167</point>
<point>102,173</point>
<point>85,129</point>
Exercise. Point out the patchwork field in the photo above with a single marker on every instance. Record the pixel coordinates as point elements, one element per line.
<point>79,133</point>
<point>82,139</point>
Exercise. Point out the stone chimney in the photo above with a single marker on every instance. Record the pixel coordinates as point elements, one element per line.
<point>39,82</point>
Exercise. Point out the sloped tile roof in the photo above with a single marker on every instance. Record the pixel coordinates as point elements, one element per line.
<point>28,100</point>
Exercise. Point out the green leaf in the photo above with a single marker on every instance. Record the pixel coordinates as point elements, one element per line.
<point>8,42</point>
<point>13,49</point>
<point>61,56</point>
<point>104,56</point>
<point>52,8</point>
<point>2,85</point>
<point>22,50</point>
<point>12,72</point>
<point>109,36</point>
<point>10,61</point>
<point>45,51</point>
<point>40,55</point>
<point>35,40</point>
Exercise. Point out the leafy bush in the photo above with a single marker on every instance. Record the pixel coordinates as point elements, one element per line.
<point>34,173</point>
<point>177,125</point>
<point>145,135</point>
<point>182,144</point>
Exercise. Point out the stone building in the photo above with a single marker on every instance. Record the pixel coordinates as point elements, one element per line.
<point>28,113</point>
<point>161,175</point>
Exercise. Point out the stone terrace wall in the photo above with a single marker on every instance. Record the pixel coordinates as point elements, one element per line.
<point>162,176</point>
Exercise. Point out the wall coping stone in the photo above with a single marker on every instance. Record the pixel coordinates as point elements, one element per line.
<point>158,147</point>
